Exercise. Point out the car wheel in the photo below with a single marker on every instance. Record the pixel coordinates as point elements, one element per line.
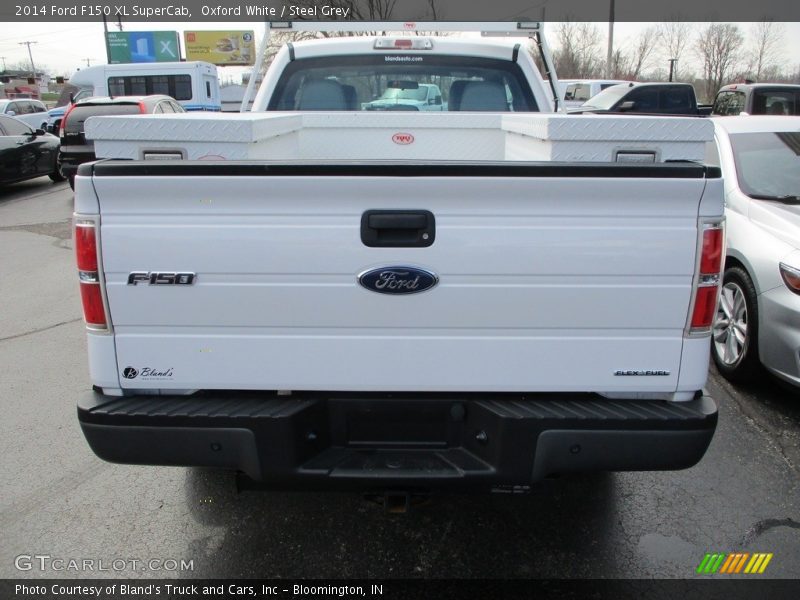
<point>735,333</point>
<point>57,175</point>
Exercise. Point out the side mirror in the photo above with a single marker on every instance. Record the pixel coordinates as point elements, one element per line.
<point>437,100</point>
<point>627,105</point>
<point>11,113</point>
<point>38,132</point>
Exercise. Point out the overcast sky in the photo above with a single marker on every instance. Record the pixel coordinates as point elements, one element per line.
<point>64,47</point>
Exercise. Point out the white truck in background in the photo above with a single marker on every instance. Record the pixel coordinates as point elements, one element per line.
<point>317,295</point>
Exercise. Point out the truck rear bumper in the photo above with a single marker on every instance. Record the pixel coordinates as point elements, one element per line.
<point>399,440</point>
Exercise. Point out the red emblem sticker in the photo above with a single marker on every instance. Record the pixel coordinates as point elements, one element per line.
<point>403,139</point>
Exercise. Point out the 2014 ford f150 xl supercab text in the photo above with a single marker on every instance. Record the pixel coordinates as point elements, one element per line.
<point>479,297</point>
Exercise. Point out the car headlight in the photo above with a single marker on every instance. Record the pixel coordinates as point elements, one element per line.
<point>791,277</point>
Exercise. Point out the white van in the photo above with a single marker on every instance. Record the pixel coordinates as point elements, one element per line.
<point>578,91</point>
<point>193,84</point>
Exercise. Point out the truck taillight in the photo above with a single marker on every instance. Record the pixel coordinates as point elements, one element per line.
<point>94,312</point>
<point>708,279</point>
<point>62,130</point>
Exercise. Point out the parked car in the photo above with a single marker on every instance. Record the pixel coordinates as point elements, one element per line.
<point>578,91</point>
<point>758,318</point>
<point>55,114</point>
<point>32,112</point>
<point>26,153</point>
<point>646,98</point>
<point>76,149</point>
<point>757,99</point>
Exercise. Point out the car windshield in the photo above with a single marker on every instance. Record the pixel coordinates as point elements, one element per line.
<point>608,97</point>
<point>768,164</point>
<point>400,94</point>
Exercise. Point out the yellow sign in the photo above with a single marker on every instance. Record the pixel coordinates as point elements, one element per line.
<point>221,47</point>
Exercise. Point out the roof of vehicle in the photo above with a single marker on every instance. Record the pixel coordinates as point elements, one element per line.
<point>481,47</point>
<point>579,81</point>
<point>757,123</point>
<point>4,101</point>
<point>756,86</point>
<point>95,100</point>
<point>632,84</point>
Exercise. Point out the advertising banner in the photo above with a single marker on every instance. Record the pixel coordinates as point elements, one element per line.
<point>143,46</point>
<point>222,48</point>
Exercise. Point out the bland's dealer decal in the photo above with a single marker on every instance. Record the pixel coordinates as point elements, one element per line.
<point>147,374</point>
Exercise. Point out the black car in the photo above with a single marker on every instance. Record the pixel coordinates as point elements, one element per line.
<point>26,153</point>
<point>76,149</point>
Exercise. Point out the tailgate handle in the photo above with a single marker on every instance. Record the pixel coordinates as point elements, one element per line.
<point>398,228</point>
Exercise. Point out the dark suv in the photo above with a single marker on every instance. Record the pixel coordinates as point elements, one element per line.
<point>76,149</point>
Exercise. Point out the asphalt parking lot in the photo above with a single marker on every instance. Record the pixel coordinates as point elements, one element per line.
<point>60,500</point>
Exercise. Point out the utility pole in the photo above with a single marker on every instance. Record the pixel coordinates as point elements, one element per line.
<point>610,53</point>
<point>672,62</point>
<point>105,37</point>
<point>3,58</point>
<point>28,44</point>
<point>88,62</point>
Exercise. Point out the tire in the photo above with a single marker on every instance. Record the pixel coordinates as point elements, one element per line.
<point>57,175</point>
<point>734,342</point>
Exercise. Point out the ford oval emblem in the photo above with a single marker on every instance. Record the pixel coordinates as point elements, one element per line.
<point>403,139</point>
<point>398,280</point>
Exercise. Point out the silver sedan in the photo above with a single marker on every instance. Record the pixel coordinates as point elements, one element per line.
<point>758,317</point>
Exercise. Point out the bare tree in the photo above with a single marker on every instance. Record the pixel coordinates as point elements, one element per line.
<point>578,53</point>
<point>642,51</point>
<point>764,53</point>
<point>718,46</point>
<point>674,37</point>
<point>620,64</point>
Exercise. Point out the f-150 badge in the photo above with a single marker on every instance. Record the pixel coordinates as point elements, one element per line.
<point>160,278</point>
<point>398,280</point>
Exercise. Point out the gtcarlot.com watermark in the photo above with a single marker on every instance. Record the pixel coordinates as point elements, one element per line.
<point>54,564</point>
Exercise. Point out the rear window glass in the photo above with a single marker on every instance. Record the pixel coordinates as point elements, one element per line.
<point>397,82</point>
<point>80,113</point>
<point>578,92</point>
<point>775,102</point>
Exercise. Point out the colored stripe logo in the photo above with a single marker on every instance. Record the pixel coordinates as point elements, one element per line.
<point>734,563</point>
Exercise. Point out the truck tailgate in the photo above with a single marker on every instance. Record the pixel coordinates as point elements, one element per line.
<point>550,277</point>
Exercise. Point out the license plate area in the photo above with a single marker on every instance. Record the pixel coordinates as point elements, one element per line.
<point>393,424</point>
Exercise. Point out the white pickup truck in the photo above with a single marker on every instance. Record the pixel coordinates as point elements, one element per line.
<point>317,295</point>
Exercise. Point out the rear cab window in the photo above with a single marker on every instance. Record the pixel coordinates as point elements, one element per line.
<point>775,102</point>
<point>370,82</point>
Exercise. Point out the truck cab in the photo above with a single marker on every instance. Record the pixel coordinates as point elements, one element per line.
<point>408,95</point>
<point>646,98</point>
<point>757,99</point>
